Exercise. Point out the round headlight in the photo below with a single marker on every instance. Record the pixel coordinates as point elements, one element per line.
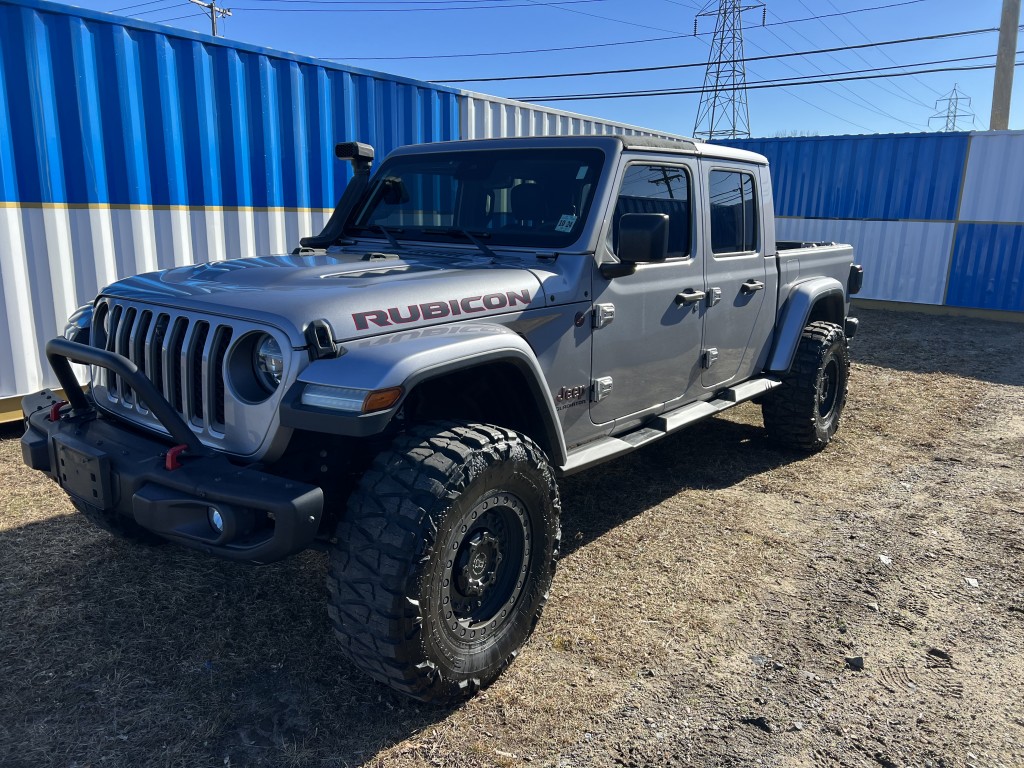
<point>268,362</point>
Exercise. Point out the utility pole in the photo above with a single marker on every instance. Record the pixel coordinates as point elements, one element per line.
<point>215,12</point>
<point>957,103</point>
<point>1006,55</point>
<point>723,112</point>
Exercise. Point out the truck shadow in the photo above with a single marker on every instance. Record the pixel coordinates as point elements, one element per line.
<point>716,453</point>
<point>131,654</point>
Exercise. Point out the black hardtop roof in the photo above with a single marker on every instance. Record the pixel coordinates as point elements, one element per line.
<point>682,145</point>
<point>629,142</point>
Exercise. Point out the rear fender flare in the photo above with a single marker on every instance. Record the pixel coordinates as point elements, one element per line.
<point>409,358</point>
<point>803,298</point>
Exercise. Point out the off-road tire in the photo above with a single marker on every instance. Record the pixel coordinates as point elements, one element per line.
<point>805,412</point>
<point>117,525</point>
<point>441,494</point>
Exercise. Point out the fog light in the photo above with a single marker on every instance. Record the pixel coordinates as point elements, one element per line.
<point>216,519</point>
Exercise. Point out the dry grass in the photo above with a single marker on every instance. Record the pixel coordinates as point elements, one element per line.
<point>707,580</point>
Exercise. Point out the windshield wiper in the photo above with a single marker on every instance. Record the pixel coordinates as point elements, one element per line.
<point>474,238</point>
<point>387,233</point>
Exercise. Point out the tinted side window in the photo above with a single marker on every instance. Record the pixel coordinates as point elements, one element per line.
<point>657,189</point>
<point>733,212</point>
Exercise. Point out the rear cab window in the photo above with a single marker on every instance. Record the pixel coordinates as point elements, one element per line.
<point>734,212</point>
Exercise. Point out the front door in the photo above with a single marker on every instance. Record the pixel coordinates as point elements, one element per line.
<point>650,352</point>
<point>735,273</point>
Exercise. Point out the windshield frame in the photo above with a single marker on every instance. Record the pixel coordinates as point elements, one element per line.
<point>597,156</point>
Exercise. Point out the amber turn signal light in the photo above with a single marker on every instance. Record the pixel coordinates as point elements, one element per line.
<point>381,399</point>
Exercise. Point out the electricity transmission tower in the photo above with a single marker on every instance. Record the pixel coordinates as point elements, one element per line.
<point>723,113</point>
<point>214,13</point>
<point>957,109</point>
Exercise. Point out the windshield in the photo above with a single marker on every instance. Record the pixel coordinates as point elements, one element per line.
<point>536,198</point>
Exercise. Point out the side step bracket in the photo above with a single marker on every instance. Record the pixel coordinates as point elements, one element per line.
<point>597,451</point>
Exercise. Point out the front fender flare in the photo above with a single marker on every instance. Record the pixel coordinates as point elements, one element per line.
<point>801,301</point>
<point>408,358</point>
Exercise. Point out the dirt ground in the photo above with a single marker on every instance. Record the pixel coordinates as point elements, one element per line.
<point>711,592</point>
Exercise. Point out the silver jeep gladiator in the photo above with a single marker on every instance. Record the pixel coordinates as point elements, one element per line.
<point>476,319</point>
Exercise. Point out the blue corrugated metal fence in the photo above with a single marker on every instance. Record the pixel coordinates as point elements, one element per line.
<point>935,218</point>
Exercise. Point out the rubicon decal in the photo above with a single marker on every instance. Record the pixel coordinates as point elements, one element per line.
<point>435,310</point>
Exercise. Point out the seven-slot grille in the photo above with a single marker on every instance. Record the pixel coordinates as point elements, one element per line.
<point>181,354</point>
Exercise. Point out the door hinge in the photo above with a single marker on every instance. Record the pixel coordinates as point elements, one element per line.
<point>603,315</point>
<point>601,389</point>
<point>714,296</point>
<point>709,358</point>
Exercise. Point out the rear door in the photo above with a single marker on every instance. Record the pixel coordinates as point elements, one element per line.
<point>735,272</point>
<point>649,354</point>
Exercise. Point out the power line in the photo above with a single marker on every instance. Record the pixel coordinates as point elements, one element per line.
<point>530,3</point>
<point>861,100</point>
<point>859,55</point>
<point>609,18</point>
<point>784,83</point>
<point>675,36</point>
<point>136,5</point>
<point>769,57</point>
<point>196,15</point>
<point>388,2</point>
<point>860,32</point>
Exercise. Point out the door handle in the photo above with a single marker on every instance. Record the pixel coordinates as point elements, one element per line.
<point>690,296</point>
<point>751,286</point>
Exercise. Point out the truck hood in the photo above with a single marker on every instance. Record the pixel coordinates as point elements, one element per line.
<point>359,294</point>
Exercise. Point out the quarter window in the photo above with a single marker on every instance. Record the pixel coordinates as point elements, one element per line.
<point>657,189</point>
<point>733,212</point>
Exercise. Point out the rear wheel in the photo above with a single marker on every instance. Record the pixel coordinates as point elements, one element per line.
<point>805,412</point>
<point>444,559</point>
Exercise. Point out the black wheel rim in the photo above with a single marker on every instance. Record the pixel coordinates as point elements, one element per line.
<point>486,567</point>
<point>828,389</point>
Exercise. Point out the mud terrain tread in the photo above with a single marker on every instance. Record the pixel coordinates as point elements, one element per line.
<point>392,521</point>
<point>789,410</point>
<point>117,525</point>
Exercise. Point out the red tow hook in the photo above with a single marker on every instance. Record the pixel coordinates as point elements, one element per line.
<point>55,410</point>
<point>172,460</point>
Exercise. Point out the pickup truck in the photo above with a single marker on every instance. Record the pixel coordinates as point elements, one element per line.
<point>403,390</point>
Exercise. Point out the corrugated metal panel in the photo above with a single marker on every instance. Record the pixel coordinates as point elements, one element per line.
<point>994,184</point>
<point>988,267</point>
<point>132,115</point>
<point>896,177</point>
<point>130,148</point>
<point>903,260</point>
<point>490,117</point>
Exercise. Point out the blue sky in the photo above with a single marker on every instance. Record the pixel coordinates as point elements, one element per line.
<point>354,33</point>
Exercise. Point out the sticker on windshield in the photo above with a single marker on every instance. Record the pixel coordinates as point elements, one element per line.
<point>566,223</point>
<point>582,172</point>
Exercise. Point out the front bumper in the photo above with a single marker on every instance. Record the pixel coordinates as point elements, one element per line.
<point>102,462</point>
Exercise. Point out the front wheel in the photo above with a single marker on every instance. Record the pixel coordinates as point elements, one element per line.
<point>804,413</point>
<point>444,559</point>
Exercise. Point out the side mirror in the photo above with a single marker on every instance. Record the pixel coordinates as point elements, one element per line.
<point>643,237</point>
<point>393,191</point>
